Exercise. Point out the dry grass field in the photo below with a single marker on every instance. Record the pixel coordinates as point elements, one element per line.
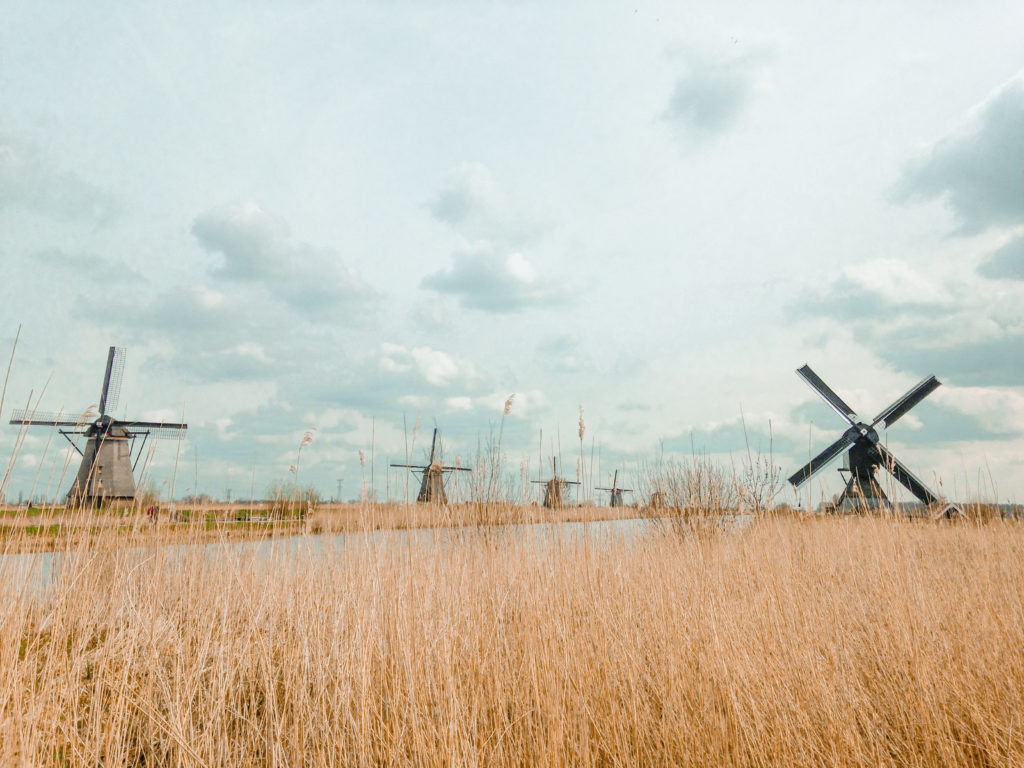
<point>839,642</point>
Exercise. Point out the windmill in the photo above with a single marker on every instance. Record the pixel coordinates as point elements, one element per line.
<point>615,491</point>
<point>864,453</point>
<point>554,489</point>
<point>432,483</point>
<point>106,471</point>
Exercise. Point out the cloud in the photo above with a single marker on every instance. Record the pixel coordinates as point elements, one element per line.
<point>257,248</point>
<point>437,368</point>
<point>493,280</point>
<point>29,181</point>
<point>878,286</point>
<point>931,421</point>
<point>995,361</point>
<point>926,322</point>
<point>733,437</point>
<point>712,95</point>
<point>89,267</point>
<point>935,422</point>
<point>188,308</point>
<point>490,270</point>
<point>1005,263</point>
<point>473,204</point>
<point>563,353</point>
<point>203,334</point>
<point>252,241</point>
<point>977,169</point>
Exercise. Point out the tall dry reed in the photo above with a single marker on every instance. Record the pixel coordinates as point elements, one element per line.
<point>841,642</point>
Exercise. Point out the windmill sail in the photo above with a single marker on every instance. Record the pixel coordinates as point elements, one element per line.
<point>112,380</point>
<point>864,452</point>
<point>432,476</point>
<point>106,469</point>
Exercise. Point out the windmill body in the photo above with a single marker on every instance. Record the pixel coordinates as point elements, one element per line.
<point>555,488</point>
<point>864,452</point>
<point>432,485</point>
<point>107,470</point>
<point>615,493</point>
<point>432,476</point>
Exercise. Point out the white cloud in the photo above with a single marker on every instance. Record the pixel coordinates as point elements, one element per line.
<point>256,247</point>
<point>563,353</point>
<point>713,93</point>
<point>29,180</point>
<point>941,321</point>
<point>976,170</point>
<point>490,270</point>
<point>437,368</point>
<point>473,204</point>
<point>895,282</point>
<point>1007,262</point>
<point>252,242</point>
<point>89,267</point>
<point>490,280</point>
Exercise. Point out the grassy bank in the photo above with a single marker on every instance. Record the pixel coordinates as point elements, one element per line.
<point>828,642</point>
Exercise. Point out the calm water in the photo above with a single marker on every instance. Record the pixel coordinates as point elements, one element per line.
<point>39,570</point>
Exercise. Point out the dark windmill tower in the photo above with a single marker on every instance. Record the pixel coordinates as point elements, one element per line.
<point>864,452</point>
<point>432,483</point>
<point>616,492</point>
<point>106,471</point>
<point>554,489</point>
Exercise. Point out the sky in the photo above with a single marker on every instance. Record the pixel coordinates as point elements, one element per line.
<point>354,218</point>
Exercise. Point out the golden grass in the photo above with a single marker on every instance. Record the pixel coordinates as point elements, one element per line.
<point>840,642</point>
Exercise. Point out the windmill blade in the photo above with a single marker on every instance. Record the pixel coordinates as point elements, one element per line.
<point>433,446</point>
<point>163,433</point>
<point>456,469</point>
<point>826,393</point>
<point>891,414</point>
<point>151,425</point>
<point>409,466</point>
<point>905,477</point>
<point>823,458</point>
<point>47,418</point>
<point>112,380</point>
<point>160,429</point>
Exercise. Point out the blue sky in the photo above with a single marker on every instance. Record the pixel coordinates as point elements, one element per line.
<point>343,215</point>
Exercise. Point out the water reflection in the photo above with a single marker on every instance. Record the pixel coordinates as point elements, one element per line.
<point>42,570</point>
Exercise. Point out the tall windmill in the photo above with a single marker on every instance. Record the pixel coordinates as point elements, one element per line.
<point>432,476</point>
<point>864,452</point>
<point>106,471</point>
<point>616,492</point>
<point>554,489</point>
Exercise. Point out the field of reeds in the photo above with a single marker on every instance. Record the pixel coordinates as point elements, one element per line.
<point>796,642</point>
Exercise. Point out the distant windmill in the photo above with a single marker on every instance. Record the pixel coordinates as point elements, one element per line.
<point>432,483</point>
<point>106,471</point>
<point>554,489</point>
<point>615,491</point>
<point>864,452</point>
